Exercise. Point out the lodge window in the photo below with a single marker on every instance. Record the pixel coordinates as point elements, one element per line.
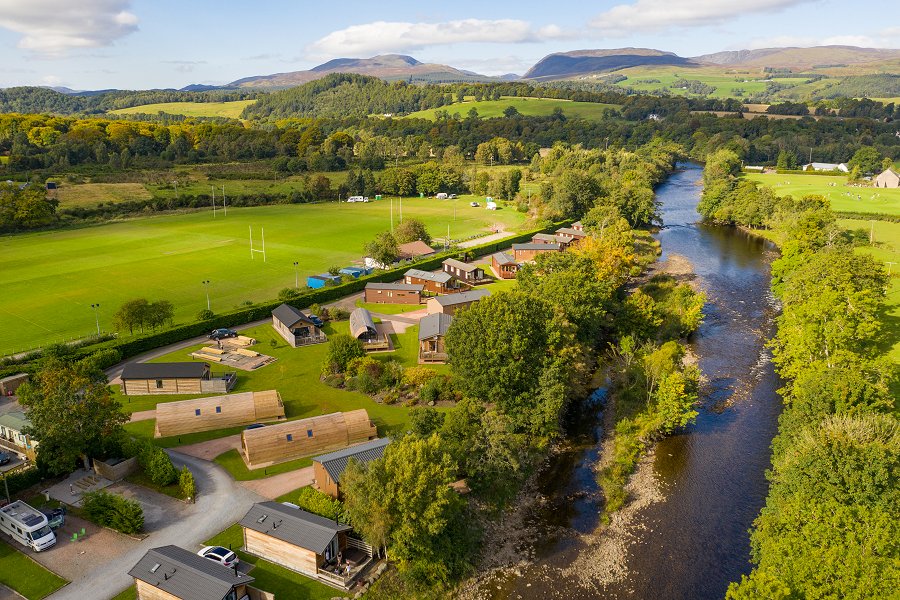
<point>290,437</point>
<point>309,433</point>
<point>159,384</point>
<point>218,409</point>
<point>197,412</point>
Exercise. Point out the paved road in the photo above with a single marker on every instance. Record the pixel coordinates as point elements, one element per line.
<point>220,503</point>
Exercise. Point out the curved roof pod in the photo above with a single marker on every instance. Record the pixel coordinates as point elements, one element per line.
<point>361,324</point>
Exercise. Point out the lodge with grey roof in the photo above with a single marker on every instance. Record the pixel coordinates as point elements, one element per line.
<point>295,327</point>
<point>173,573</point>
<point>465,272</point>
<point>174,378</point>
<point>432,330</point>
<point>437,283</point>
<point>449,304</point>
<point>328,468</point>
<point>393,293</point>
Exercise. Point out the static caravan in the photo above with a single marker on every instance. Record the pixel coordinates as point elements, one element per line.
<point>295,439</point>
<point>27,526</point>
<point>217,412</point>
<point>393,293</point>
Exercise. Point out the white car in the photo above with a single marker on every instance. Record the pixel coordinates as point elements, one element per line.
<point>221,555</point>
<point>474,204</point>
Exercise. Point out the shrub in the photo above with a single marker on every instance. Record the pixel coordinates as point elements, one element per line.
<point>314,501</point>
<point>431,391</point>
<point>155,462</point>
<point>113,511</point>
<point>205,315</point>
<point>339,314</point>
<point>418,375</point>
<point>335,380</point>
<point>341,350</point>
<point>102,359</point>
<point>288,294</point>
<point>187,484</point>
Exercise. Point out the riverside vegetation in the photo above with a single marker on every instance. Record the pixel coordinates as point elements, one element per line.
<point>830,524</point>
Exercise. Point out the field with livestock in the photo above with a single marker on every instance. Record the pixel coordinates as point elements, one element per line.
<point>50,279</point>
<point>843,197</point>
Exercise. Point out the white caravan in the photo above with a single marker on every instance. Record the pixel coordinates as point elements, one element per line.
<point>27,526</point>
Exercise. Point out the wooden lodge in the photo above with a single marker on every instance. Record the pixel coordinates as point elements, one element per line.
<point>394,293</point>
<point>12,436</point>
<point>570,235</point>
<point>217,412</point>
<point>526,252</point>
<point>465,272</point>
<point>362,327</point>
<point>304,437</point>
<point>173,573</point>
<point>328,468</point>
<point>141,379</point>
<point>504,265</point>
<point>577,226</point>
<point>432,330</point>
<point>549,238</point>
<point>448,305</point>
<point>436,283</point>
<point>414,250</point>
<point>295,327</point>
<point>320,548</point>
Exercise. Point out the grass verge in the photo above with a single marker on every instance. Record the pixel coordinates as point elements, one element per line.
<point>26,577</point>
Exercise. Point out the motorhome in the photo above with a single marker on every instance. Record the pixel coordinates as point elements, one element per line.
<point>27,526</point>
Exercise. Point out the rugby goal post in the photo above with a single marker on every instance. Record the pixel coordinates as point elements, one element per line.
<point>252,249</point>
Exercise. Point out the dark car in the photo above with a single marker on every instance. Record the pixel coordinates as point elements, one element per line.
<point>5,458</point>
<point>254,426</point>
<point>220,334</point>
<point>316,320</point>
<point>56,517</point>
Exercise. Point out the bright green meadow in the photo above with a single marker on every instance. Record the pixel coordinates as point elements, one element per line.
<point>231,110</point>
<point>843,197</point>
<point>50,279</point>
<point>532,107</point>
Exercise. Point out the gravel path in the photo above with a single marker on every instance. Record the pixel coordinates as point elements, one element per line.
<point>210,449</point>
<point>278,485</point>
<point>220,503</point>
<point>143,415</point>
<point>494,237</point>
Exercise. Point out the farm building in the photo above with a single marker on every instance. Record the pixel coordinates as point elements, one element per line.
<point>355,272</point>
<point>449,304</point>
<point>570,234</point>
<point>465,272</point>
<point>437,283</point>
<point>362,327</point>
<point>815,166</point>
<point>173,573</point>
<point>295,327</point>
<point>432,330</point>
<point>504,265</point>
<point>303,437</point>
<point>413,250</point>
<point>9,385</point>
<point>140,379</point>
<point>319,548</point>
<point>527,252</point>
<point>217,412</point>
<point>12,424</point>
<point>888,179</point>
<point>328,468</point>
<point>394,293</point>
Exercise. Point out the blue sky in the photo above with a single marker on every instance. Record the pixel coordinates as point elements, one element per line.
<point>137,44</point>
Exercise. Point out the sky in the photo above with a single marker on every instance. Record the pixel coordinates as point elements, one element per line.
<point>141,44</point>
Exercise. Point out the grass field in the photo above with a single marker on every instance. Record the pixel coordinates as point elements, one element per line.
<point>649,79</point>
<point>843,198</point>
<point>29,579</point>
<point>532,107</point>
<point>231,110</point>
<point>887,249</point>
<point>92,194</point>
<point>50,279</point>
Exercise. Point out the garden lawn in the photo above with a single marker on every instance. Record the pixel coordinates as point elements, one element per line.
<point>843,198</point>
<point>129,593</point>
<point>285,584</point>
<point>50,279</point>
<point>532,107</point>
<point>26,577</point>
<point>232,462</point>
<point>231,110</point>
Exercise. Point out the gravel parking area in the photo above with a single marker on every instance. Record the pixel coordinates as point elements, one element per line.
<point>210,449</point>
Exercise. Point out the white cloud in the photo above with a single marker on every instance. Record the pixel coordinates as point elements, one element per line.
<point>54,27</point>
<point>862,41</point>
<point>384,36</point>
<point>51,80</point>
<point>654,15</point>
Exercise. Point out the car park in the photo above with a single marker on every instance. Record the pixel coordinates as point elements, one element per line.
<point>221,555</point>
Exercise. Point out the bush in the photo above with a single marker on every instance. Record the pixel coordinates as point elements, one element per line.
<point>431,391</point>
<point>155,462</point>
<point>102,359</point>
<point>205,315</point>
<point>341,350</point>
<point>339,314</point>
<point>314,501</point>
<point>288,294</point>
<point>418,376</point>
<point>113,511</point>
<point>22,480</point>
<point>187,484</point>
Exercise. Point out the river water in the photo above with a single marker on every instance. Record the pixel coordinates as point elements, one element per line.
<point>695,541</point>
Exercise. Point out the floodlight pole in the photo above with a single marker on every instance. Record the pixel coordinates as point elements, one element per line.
<point>96,308</point>
<point>206,283</point>
<point>296,276</point>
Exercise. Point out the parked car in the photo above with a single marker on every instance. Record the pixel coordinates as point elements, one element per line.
<point>474,204</point>
<point>316,320</point>
<point>220,555</point>
<point>5,457</point>
<point>254,426</point>
<point>220,334</point>
<point>452,196</point>
<point>56,517</point>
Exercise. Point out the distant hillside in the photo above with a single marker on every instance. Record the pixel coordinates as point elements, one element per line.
<point>390,67</point>
<point>564,65</point>
<point>801,59</point>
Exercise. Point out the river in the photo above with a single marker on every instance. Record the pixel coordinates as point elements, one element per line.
<point>695,540</point>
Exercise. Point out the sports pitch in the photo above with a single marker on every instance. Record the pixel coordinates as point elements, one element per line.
<point>843,198</point>
<point>51,279</point>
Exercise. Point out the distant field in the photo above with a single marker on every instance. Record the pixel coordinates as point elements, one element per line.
<point>91,194</point>
<point>843,198</point>
<point>887,249</point>
<point>50,279</point>
<point>532,107</point>
<point>231,110</point>
<point>726,84</point>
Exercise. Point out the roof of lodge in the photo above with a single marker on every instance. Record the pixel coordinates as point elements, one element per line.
<point>289,315</point>
<point>336,462</point>
<point>168,370</point>
<point>458,264</point>
<point>292,525</point>
<point>416,248</point>
<point>403,287</point>
<point>571,232</point>
<point>461,297</point>
<point>361,322</point>
<point>434,325</point>
<point>439,277</point>
<point>546,247</point>
<point>185,575</point>
<point>503,258</point>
